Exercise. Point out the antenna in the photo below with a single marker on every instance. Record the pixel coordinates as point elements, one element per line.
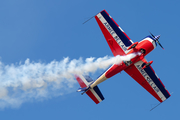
<point>88,19</point>
<point>155,107</point>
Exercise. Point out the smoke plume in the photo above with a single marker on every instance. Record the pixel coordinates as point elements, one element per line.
<point>31,81</point>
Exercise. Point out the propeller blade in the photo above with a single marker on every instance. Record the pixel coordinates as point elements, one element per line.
<point>156,39</point>
<point>152,34</point>
<point>159,44</point>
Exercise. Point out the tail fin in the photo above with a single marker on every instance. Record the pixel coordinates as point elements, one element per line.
<point>94,93</point>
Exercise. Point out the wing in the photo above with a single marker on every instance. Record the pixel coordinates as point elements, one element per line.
<point>116,38</point>
<point>148,79</point>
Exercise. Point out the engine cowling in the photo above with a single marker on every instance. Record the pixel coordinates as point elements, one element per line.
<point>146,45</point>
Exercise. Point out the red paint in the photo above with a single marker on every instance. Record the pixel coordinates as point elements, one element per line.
<point>132,45</point>
<point>80,81</point>
<point>146,45</point>
<point>115,69</point>
<point>90,94</point>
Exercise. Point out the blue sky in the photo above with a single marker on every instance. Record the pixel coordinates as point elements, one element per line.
<point>50,30</point>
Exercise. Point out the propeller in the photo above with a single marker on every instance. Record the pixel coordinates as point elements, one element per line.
<point>156,39</point>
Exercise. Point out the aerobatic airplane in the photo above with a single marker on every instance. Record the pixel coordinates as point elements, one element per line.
<point>138,67</point>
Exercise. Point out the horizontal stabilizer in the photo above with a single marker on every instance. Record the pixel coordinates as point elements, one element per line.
<point>94,93</point>
<point>82,89</point>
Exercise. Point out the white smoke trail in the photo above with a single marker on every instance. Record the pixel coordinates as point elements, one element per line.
<point>38,81</point>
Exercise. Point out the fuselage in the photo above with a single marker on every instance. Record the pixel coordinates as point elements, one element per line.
<point>147,44</point>
<point>144,47</point>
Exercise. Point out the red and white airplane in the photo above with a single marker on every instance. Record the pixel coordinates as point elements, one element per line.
<point>138,67</point>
